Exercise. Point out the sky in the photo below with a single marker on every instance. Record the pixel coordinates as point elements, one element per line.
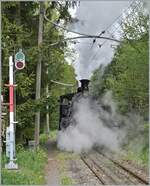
<point>94,17</point>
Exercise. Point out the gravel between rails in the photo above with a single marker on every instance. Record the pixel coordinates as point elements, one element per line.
<point>142,176</point>
<point>102,177</point>
<point>120,175</point>
<point>109,171</point>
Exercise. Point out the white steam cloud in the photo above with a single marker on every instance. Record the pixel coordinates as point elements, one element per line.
<point>94,17</point>
<point>93,125</point>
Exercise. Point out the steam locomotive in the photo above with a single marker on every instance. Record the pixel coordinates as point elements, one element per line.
<point>67,108</point>
<point>67,101</point>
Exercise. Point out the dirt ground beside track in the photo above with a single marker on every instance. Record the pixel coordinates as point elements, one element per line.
<point>64,168</point>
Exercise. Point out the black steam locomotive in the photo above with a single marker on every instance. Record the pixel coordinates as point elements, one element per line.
<point>66,104</point>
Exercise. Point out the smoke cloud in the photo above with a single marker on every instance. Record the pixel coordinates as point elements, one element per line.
<point>94,17</point>
<point>94,123</point>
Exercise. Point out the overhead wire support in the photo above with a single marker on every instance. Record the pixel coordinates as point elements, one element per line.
<point>84,37</point>
<point>68,30</point>
<point>64,84</point>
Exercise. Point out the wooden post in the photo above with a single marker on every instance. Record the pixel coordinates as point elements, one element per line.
<point>38,73</point>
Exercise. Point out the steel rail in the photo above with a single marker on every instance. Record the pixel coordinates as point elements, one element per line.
<point>92,170</point>
<point>125,168</point>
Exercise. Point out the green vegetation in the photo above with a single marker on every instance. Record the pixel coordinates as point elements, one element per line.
<point>20,30</point>
<point>127,78</point>
<point>44,137</point>
<point>31,168</point>
<point>65,180</point>
<point>141,158</point>
<point>53,134</point>
<point>20,25</point>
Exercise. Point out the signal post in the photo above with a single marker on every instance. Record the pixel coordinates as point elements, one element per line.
<point>10,131</point>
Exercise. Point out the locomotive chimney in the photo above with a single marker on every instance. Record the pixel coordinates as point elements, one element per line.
<point>84,84</point>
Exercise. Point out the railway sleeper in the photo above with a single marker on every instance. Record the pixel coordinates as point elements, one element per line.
<point>99,173</point>
<point>134,172</point>
<point>122,175</point>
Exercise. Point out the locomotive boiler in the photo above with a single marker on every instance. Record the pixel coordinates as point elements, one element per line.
<point>67,101</point>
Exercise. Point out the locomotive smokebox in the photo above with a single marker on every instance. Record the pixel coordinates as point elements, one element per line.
<point>84,84</point>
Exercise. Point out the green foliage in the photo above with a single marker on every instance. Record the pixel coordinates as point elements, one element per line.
<point>43,139</point>
<point>141,157</point>
<point>96,85</point>
<point>53,134</point>
<point>20,30</point>
<point>31,165</point>
<point>65,180</point>
<point>127,74</point>
<point>127,78</point>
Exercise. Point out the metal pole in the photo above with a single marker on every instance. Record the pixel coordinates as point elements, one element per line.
<point>14,75</point>
<point>11,139</point>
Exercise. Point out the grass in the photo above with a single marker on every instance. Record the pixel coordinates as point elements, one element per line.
<point>65,180</point>
<point>140,158</point>
<point>31,165</point>
<point>138,148</point>
<point>31,168</point>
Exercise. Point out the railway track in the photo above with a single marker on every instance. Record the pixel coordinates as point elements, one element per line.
<point>111,172</point>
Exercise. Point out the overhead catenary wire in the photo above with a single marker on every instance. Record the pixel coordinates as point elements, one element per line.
<point>84,35</point>
<point>66,29</point>
<point>109,26</point>
<point>135,7</point>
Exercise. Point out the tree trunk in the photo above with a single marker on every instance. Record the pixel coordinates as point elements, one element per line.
<point>38,73</point>
<point>47,106</point>
<point>0,94</point>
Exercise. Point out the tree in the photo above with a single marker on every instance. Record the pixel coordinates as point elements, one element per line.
<point>38,72</point>
<point>127,74</point>
<point>25,33</point>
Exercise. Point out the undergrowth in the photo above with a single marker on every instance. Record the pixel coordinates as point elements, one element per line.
<point>140,158</point>
<point>31,168</point>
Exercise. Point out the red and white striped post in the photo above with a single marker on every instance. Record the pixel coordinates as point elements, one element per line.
<point>10,141</point>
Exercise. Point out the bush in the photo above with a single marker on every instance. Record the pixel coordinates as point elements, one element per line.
<point>43,139</point>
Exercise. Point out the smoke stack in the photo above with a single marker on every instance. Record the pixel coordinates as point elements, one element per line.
<point>84,84</point>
